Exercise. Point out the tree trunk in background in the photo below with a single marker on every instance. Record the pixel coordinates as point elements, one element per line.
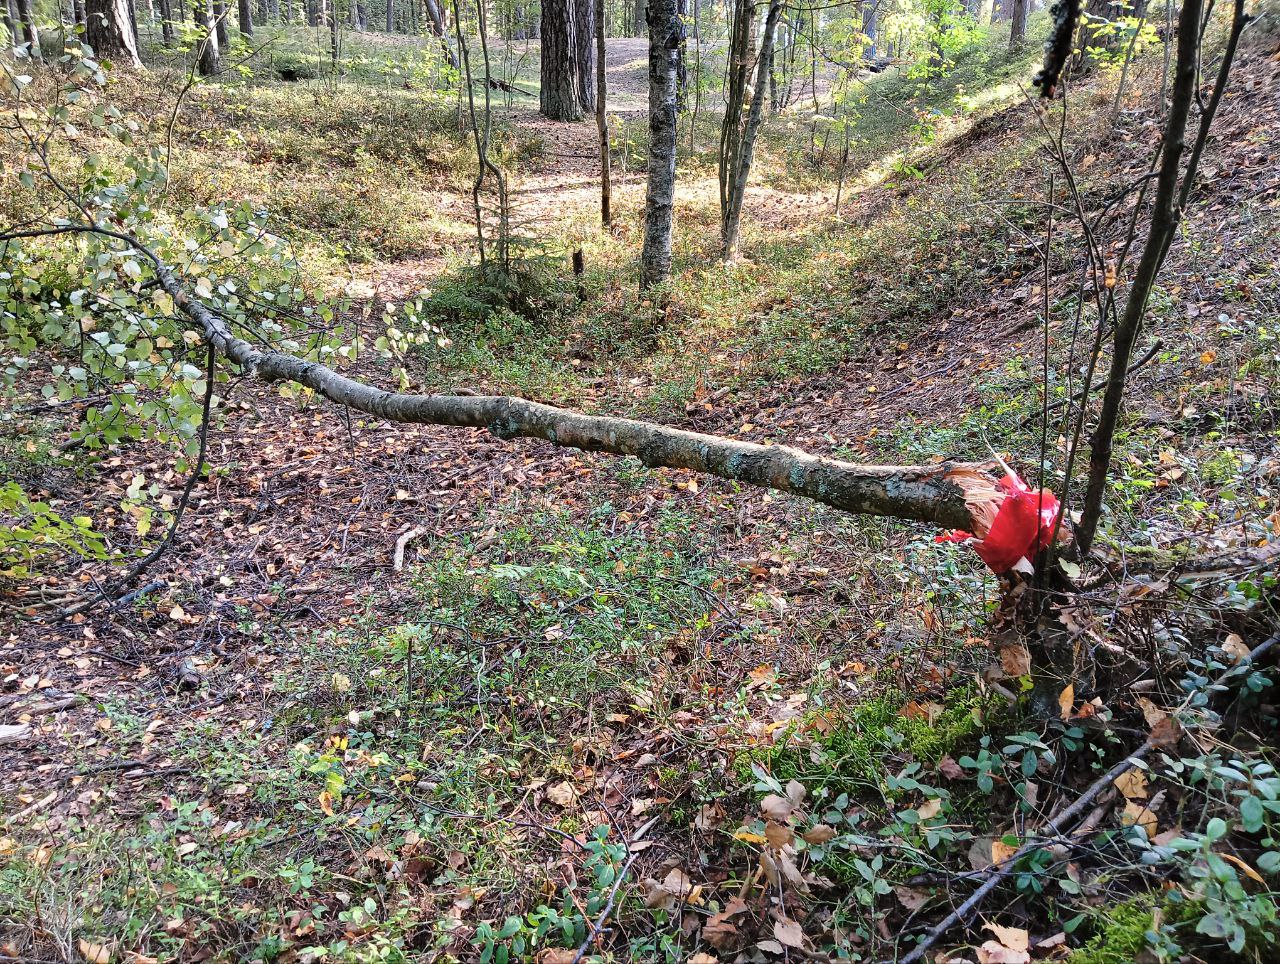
<point>331,17</point>
<point>12,22</point>
<point>391,16</point>
<point>166,21</point>
<point>871,27</point>
<point>584,32</point>
<point>30,36</point>
<point>109,32</point>
<point>659,205</point>
<point>737,76</point>
<point>77,11</point>
<point>220,24</point>
<point>682,67</point>
<point>561,83</point>
<point>436,15</point>
<point>246,18</point>
<point>313,12</point>
<point>602,120</point>
<point>985,10</point>
<point>731,214</point>
<point>1018,25</point>
<point>639,24</point>
<point>207,59</point>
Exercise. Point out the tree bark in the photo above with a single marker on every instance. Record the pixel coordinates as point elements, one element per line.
<point>246,18</point>
<point>109,31</point>
<point>207,50</point>
<point>560,97</point>
<point>220,24</point>
<point>602,120</point>
<point>1018,25</point>
<point>1173,189</point>
<point>934,494</point>
<point>659,206</point>
<point>731,214</point>
<point>640,12</point>
<point>30,35</point>
<point>166,22</point>
<point>391,16</point>
<point>584,33</point>
<point>436,15</point>
<point>12,22</point>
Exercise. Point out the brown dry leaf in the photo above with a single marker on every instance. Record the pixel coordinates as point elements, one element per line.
<point>993,952</point>
<point>1015,659</point>
<point>1234,647</point>
<point>774,807</point>
<point>929,809</point>
<point>1132,784</point>
<point>93,952</point>
<point>702,957</point>
<point>562,794</point>
<point>778,835</point>
<point>788,932</point>
<point>950,769</point>
<point>1135,814</point>
<point>557,955</point>
<point>796,793</point>
<point>929,712</point>
<point>1001,851</point>
<point>1066,700</point>
<point>1014,938</point>
<point>1150,712</point>
<point>980,853</point>
<point>911,897</point>
<point>1167,732</point>
<point>819,833</point>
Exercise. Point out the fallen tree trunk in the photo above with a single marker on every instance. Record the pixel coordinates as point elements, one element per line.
<point>942,495</point>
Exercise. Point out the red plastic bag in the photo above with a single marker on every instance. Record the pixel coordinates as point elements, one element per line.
<point>1023,525</point>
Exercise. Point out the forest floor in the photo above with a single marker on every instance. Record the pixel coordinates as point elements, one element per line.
<point>289,747</point>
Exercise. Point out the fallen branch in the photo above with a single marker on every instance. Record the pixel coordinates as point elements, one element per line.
<point>941,495</point>
<point>1055,828</point>
<point>598,926</point>
<point>1063,821</point>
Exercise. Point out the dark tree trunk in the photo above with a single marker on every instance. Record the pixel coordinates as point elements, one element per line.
<point>313,13</point>
<point>30,35</point>
<point>682,67</point>
<point>561,82</point>
<point>391,16</point>
<point>436,15</point>
<point>246,18</point>
<point>602,121</point>
<point>220,24</point>
<point>1018,25</point>
<point>584,31</point>
<point>331,17</point>
<point>871,27</point>
<point>109,32</point>
<point>207,51</point>
<point>659,205</point>
<point>12,22</point>
<point>638,25</point>
<point>731,213</point>
<point>166,21</point>
<point>77,11</point>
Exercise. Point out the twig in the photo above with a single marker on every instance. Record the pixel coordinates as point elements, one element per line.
<point>1080,395</point>
<point>1054,829</point>
<point>146,561</point>
<point>613,893</point>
